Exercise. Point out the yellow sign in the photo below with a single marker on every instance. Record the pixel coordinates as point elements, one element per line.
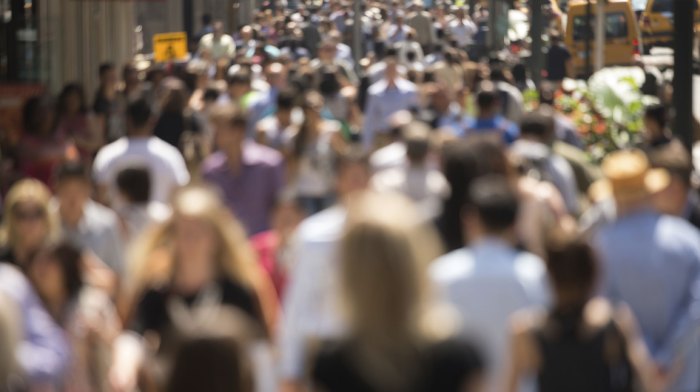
<point>170,47</point>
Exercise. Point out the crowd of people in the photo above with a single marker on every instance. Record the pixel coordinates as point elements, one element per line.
<point>276,215</point>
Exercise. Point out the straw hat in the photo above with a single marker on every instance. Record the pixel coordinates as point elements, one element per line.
<point>628,178</point>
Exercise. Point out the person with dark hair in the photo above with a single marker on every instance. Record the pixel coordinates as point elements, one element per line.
<point>510,98</point>
<point>310,154</point>
<point>679,198</point>
<point>538,158</point>
<point>133,89</point>
<point>106,105</point>
<point>75,123</point>
<point>490,279</point>
<point>550,345</point>
<point>276,130</point>
<point>564,127</point>
<point>521,78</point>
<point>85,222</point>
<point>249,175</point>
<point>134,206</point>
<point>175,122</point>
<point>419,180</point>
<point>140,149</point>
<point>218,43</point>
<point>207,28</point>
<point>40,149</point>
<point>327,56</point>
<point>656,132</point>
<point>85,313</point>
<point>489,119</point>
<point>559,60</point>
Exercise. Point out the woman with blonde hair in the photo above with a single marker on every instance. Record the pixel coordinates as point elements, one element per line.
<point>397,340</point>
<point>197,259</point>
<point>27,221</point>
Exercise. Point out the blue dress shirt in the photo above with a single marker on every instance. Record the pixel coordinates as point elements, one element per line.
<point>652,262</point>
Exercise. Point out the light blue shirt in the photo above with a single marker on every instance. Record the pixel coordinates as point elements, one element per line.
<point>44,353</point>
<point>652,262</point>
<point>486,284</point>
<point>382,102</point>
<point>263,106</point>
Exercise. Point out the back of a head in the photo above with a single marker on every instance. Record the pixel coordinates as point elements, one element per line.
<point>572,265</point>
<point>657,113</point>
<point>538,125</point>
<point>135,185</point>
<point>487,97</point>
<point>495,202</point>
<point>138,114</point>
<point>72,170</point>
<point>417,138</point>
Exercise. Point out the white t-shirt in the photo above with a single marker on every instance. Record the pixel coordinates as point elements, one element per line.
<point>163,161</point>
<point>463,33</point>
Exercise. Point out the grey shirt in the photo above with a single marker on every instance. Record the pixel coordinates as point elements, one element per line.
<point>98,231</point>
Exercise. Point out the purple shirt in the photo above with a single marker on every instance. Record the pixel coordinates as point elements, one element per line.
<point>251,194</point>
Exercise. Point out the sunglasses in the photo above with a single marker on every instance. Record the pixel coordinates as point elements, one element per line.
<point>29,215</point>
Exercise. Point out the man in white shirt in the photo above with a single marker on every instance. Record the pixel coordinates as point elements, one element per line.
<point>220,45</point>
<point>140,149</point>
<point>398,32</point>
<point>311,306</point>
<point>462,29</point>
<point>386,97</point>
<point>490,279</point>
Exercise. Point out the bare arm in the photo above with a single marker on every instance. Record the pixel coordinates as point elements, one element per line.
<point>524,357</point>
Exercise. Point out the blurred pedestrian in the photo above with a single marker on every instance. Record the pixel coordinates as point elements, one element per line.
<point>491,279</point>
<point>250,176</point>
<point>391,94</point>
<point>41,149</point>
<point>582,343</point>
<point>396,340</point>
<point>75,123</point>
<point>140,149</point>
<point>489,119</point>
<point>84,222</point>
<point>198,258</point>
<point>11,377</point>
<point>310,306</point>
<point>28,222</point>
<point>218,43</point>
<point>559,60</point>
<point>175,122</point>
<point>643,249</point>
<point>107,106</point>
<point>310,155</point>
<point>86,314</point>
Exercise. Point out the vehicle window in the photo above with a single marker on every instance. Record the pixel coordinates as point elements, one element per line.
<point>662,6</point>
<point>615,26</point>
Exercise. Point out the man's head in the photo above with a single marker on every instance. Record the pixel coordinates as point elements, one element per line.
<point>459,13</point>
<point>276,74</point>
<point>134,185</point>
<point>352,172</point>
<point>218,29</point>
<point>327,50</point>
<point>417,138</point>
<point>108,74</point>
<point>229,123</point>
<point>247,33</point>
<point>675,159</point>
<point>440,99</point>
<point>654,122</point>
<point>538,126</point>
<point>487,100</point>
<point>139,118</point>
<point>239,84</point>
<point>73,189</point>
<point>206,19</point>
<point>491,209</point>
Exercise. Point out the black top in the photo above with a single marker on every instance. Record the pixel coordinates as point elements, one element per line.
<point>171,126</point>
<point>442,367</point>
<point>574,363</point>
<point>7,256</point>
<point>152,312</point>
<point>556,62</point>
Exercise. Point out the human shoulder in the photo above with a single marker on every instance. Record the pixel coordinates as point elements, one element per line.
<point>214,162</point>
<point>529,266</point>
<point>452,267</point>
<point>323,226</point>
